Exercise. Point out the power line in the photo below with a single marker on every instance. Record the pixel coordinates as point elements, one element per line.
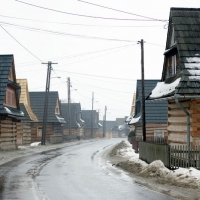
<point>122,79</point>
<point>94,57</point>
<point>105,88</point>
<point>122,11</point>
<point>73,56</point>
<point>75,24</point>
<point>20,44</point>
<point>80,15</point>
<point>62,33</point>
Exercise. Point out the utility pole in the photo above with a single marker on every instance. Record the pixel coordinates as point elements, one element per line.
<point>104,122</point>
<point>46,101</point>
<point>143,93</point>
<point>92,115</point>
<point>69,106</point>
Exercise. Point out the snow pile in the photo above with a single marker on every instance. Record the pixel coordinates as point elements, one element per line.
<point>34,144</point>
<point>155,169</point>
<point>182,177</point>
<point>122,149</point>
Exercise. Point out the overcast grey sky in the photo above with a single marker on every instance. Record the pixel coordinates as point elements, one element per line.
<point>94,46</point>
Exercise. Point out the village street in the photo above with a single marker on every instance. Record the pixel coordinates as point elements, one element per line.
<point>77,171</point>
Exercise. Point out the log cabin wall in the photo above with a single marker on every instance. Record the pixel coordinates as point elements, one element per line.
<point>195,121</point>
<point>151,129</point>
<point>23,133</point>
<point>87,133</point>
<point>177,122</point>
<point>8,134</point>
<point>74,131</point>
<point>35,136</point>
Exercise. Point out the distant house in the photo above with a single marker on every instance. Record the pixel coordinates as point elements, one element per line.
<point>180,85</point>
<point>10,113</point>
<point>94,124</point>
<point>75,120</point>
<point>155,112</point>
<point>109,127</point>
<point>24,138</point>
<point>55,120</point>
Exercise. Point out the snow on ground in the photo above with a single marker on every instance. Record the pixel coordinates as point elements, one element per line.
<point>34,144</point>
<point>182,177</point>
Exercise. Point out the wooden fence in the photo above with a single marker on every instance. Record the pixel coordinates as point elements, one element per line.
<point>173,156</point>
<point>179,157</point>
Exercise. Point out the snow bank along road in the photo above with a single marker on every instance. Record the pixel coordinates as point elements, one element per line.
<point>76,172</point>
<point>181,183</point>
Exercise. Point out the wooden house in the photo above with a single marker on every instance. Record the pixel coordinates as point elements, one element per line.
<point>29,116</point>
<point>109,127</point>
<point>155,112</point>
<point>55,120</point>
<point>74,120</point>
<point>180,85</point>
<point>90,125</point>
<point>10,125</point>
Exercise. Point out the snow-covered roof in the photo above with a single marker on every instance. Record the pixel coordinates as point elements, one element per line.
<point>128,119</point>
<point>134,120</point>
<point>99,124</point>
<point>163,89</point>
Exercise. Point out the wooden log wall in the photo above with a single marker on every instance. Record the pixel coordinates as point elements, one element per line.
<point>150,128</point>
<point>8,134</point>
<point>74,131</point>
<point>177,122</point>
<point>87,133</point>
<point>23,133</point>
<point>195,121</point>
<point>34,127</point>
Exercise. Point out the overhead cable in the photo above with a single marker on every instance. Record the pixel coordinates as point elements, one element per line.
<point>150,18</point>
<point>81,15</point>
<point>75,24</point>
<point>21,44</point>
<point>64,34</point>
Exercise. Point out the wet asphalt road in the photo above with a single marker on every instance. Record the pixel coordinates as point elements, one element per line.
<point>73,173</point>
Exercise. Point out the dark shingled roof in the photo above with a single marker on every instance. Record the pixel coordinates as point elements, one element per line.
<point>187,33</point>
<point>186,23</point>
<point>75,119</point>
<point>109,125</point>
<point>6,62</point>
<point>37,104</point>
<point>86,115</point>
<point>156,112</point>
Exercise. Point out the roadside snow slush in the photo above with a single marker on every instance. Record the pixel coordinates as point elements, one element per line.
<point>187,180</point>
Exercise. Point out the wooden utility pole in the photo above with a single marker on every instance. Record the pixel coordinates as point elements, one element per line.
<point>143,91</point>
<point>104,122</point>
<point>69,106</point>
<point>92,115</point>
<point>46,101</point>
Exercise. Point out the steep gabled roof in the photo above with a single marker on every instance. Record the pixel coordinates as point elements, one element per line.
<point>186,22</point>
<point>75,108</point>
<point>24,101</point>
<point>37,104</point>
<point>7,67</point>
<point>156,112</point>
<point>86,115</point>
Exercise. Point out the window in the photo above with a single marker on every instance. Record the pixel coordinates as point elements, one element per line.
<point>173,64</point>
<point>158,133</point>
<point>39,131</point>
<point>10,97</point>
<point>57,110</point>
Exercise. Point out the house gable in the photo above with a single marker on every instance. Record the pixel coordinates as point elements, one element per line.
<point>37,104</point>
<point>9,89</point>
<point>25,100</point>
